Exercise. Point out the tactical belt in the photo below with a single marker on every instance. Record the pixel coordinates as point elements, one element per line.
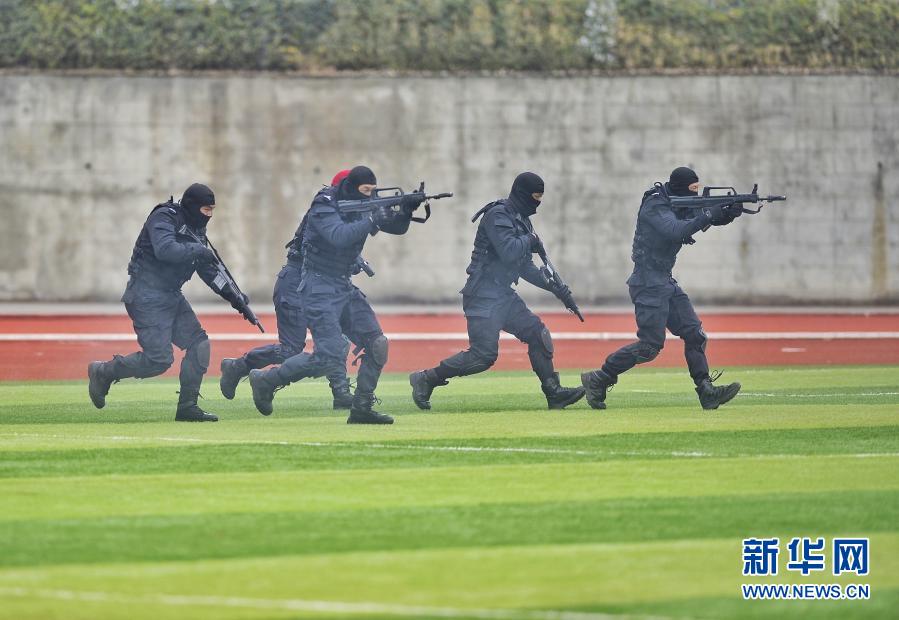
<point>319,264</point>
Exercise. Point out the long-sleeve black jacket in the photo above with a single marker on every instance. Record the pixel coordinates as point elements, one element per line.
<point>333,241</point>
<point>502,253</point>
<point>659,236</point>
<point>164,258</point>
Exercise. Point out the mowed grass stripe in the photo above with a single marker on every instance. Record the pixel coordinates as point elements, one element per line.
<point>547,576</point>
<point>435,426</point>
<point>248,457</point>
<point>165,537</point>
<point>489,394</point>
<point>80,496</point>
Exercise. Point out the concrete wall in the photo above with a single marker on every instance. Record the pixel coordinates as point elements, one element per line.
<point>83,159</point>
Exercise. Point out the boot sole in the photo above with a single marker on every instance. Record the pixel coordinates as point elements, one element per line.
<point>98,401</point>
<point>600,405</point>
<point>196,420</point>
<point>256,401</point>
<point>424,405</point>
<point>350,420</point>
<point>229,394</point>
<point>722,401</point>
<point>731,397</point>
<point>576,397</point>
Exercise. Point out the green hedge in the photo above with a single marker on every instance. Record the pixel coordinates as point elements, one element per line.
<point>454,35</point>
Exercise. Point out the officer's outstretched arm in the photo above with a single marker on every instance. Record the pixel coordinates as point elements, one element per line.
<point>531,273</point>
<point>510,248</point>
<point>166,246</point>
<point>663,220</point>
<point>326,222</point>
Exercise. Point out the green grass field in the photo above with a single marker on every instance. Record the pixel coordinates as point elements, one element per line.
<point>488,507</point>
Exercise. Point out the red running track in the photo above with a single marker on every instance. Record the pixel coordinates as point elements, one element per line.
<point>736,339</point>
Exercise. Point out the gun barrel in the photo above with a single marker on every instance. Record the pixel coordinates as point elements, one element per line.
<point>774,198</point>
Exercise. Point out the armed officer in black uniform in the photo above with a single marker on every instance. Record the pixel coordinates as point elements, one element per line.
<point>659,301</point>
<point>332,242</point>
<point>165,256</point>
<point>503,248</point>
<point>292,326</point>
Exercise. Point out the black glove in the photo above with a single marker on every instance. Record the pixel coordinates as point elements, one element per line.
<point>561,291</point>
<point>240,300</point>
<point>536,244</point>
<point>729,214</point>
<point>412,201</point>
<point>381,216</point>
<point>715,214</point>
<point>202,254</point>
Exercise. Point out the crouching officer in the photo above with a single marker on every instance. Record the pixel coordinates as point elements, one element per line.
<point>503,248</point>
<point>659,301</point>
<point>165,256</point>
<point>333,306</point>
<point>292,327</point>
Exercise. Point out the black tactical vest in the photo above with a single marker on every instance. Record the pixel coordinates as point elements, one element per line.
<point>145,268</point>
<point>320,256</point>
<point>651,250</point>
<point>485,263</point>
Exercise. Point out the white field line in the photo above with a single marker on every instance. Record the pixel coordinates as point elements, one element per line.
<point>457,449</point>
<point>313,606</point>
<point>455,336</point>
<point>842,395</point>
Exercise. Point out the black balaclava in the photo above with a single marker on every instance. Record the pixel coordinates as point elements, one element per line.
<point>680,181</point>
<point>196,196</point>
<point>525,184</point>
<point>349,187</point>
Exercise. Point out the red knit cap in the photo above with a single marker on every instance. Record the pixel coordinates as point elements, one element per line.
<point>340,176</point>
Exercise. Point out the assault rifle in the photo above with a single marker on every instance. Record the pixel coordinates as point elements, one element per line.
<point>392,202</point>
<point>224,281</point>
<point>729,199</point>
<point>559,288</point>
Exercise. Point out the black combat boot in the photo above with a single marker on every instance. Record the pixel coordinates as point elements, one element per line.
<point>597,383</point>
<point>343,398</point>
<point>98,382</point>
<point>712,396</point>
<point>362,413</point>
<point>558,397</point>
<point>233,370</point>
<point>189,411</point>
<point>423,383</point>
<point>263,391</point>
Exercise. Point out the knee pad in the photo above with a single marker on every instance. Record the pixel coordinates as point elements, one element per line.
<point>543,341</point>
<point>697,339</point>
<point>644,352</point>
<point>198,354</point>
<point>478,364</point>
<point>152,368</point>
<point>155,362</point>
<point>377,348</point>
